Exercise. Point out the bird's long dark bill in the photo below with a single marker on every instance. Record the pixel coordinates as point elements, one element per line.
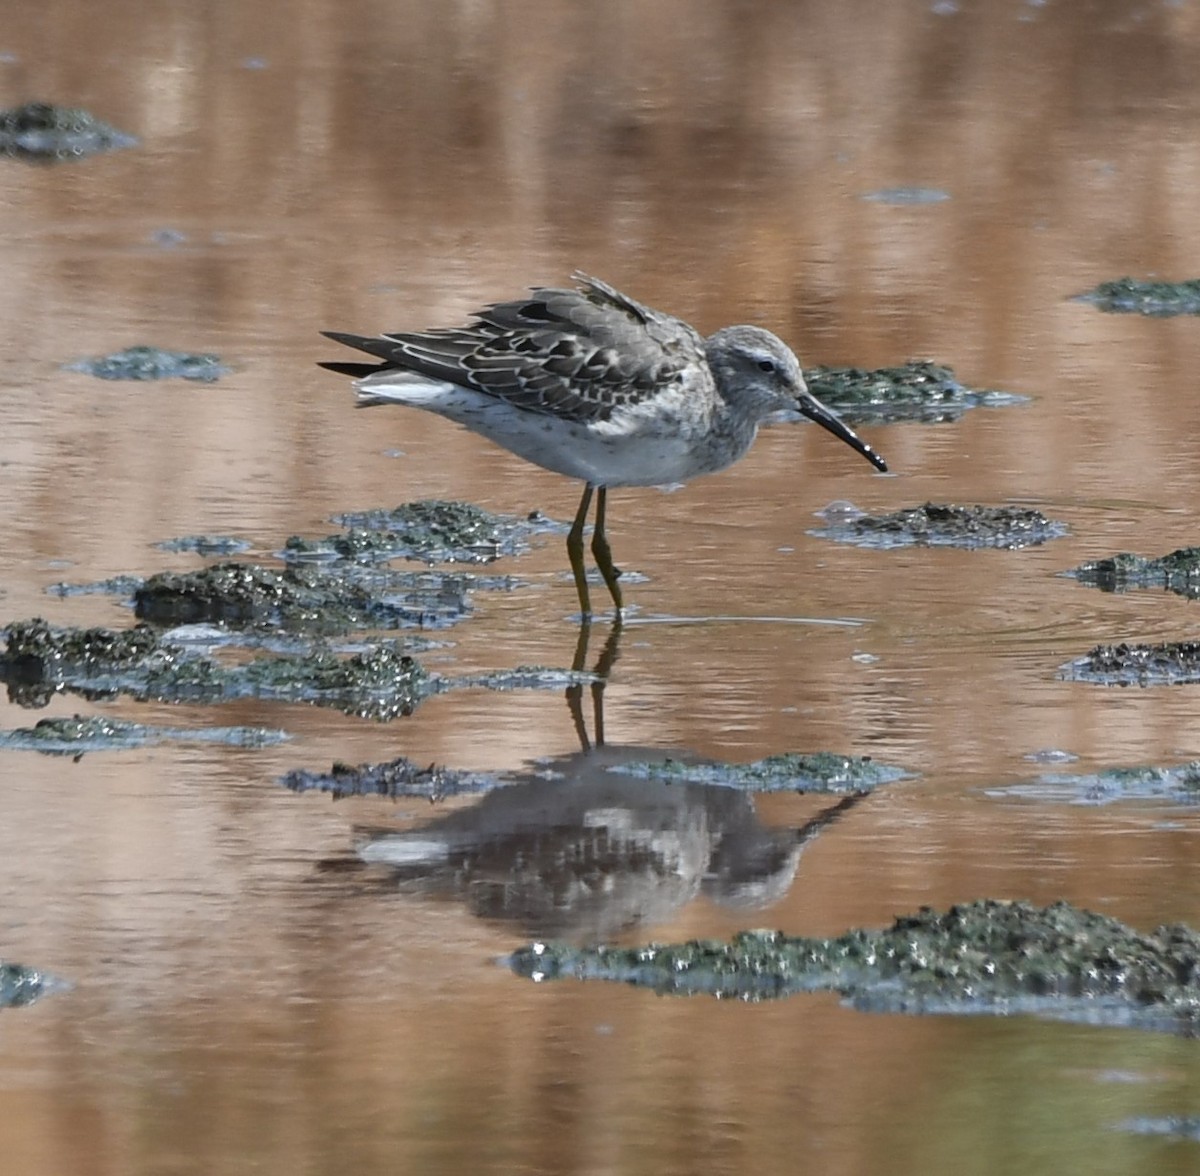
<point>812,408</point>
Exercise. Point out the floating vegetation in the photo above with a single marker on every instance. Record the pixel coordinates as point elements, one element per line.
<point>394,779</point>
<point>80,733</point>
<point>43,132</point>
<point>986,957</point>
<point>431,530</point>
<point>819,772</point>
<point>21,985</point>
<point>151,363</point>
<point>938,525</point>
<point>918,390</point>
<point>1178,571</point>
<point>1157,299</point>
<point>1170,664</point>
<point>1180,784</point>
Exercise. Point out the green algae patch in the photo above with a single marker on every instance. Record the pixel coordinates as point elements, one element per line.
<point>77,734</point>
<point>919,390</point>
<point>431,530</point>
<point>43,132</point>
<point>41,660</point>
<point>986,957</point>
<point>820,772</point>
<point>151,363</point>
<point>304,601</point>
<point>1180,785</point>
<point>396,778</point>
<point>21,985</point>
<point>1172,663</point>
<point>1157,299</point>
<point>945,525</point>
<point>39,651</point>
<point>380,682</point>
<point>1178,571</point>
<point>238,594</point>
<point>301,599</point>
<point>333,586</point>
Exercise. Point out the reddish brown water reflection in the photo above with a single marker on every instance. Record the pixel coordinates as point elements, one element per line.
<point>239,1009</point>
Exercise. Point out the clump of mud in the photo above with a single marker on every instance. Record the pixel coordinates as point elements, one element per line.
<point>942,525</point>
<point>1178,571</point>
<point>21,985</point>
<point>1158,299</point>
<point>1172,663</point>
<point>394,779</point>
<point>916,391</point>
<point>40,660</point>
<point>43,132</point>
<point>430,530</point>
<point>300,600</point>
<point>985,957</point>
<point>1179,784</point>
<point>381,680</point>
<point>76,734</point>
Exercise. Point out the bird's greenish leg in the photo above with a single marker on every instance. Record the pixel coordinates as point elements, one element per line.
<point>575,550</point>
<point>603,553</point>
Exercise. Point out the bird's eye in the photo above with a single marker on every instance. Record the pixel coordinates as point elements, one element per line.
<point>767,365</point>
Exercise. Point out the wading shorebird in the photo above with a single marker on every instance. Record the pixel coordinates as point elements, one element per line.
<point>590,384</point>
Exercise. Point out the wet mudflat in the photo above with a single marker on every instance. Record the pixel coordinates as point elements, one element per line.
<point>228,950</point>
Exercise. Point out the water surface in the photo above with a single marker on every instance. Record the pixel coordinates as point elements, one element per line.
<point>245,1001</point>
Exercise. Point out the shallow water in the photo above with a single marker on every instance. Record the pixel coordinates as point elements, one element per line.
<point>244,998</point>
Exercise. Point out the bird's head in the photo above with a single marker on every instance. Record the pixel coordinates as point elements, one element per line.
<point>758,375</point>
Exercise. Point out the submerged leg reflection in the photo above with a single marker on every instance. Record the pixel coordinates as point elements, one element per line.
<point>604,665</point>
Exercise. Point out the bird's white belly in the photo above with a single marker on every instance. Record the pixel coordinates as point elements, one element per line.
<point>645,446</point>
<point>598,454</point>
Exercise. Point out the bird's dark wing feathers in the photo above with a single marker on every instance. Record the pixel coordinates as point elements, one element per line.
<point>571,353</point>
<point>358,370</point>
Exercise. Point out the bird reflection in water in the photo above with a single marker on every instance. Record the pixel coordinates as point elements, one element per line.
<point>586,851</point>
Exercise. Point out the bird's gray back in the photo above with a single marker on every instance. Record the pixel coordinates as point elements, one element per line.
<point>578,354</point>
